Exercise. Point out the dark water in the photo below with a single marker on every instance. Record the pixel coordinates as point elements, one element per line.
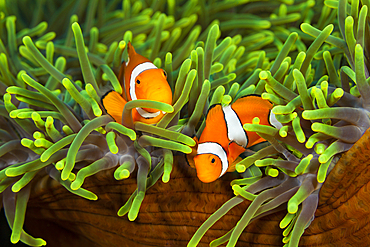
<point>5,233</point>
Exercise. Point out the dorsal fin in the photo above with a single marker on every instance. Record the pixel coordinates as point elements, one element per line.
<point>130,49</point>
<point>215,129</point>
<point>252,106</point>
<point>254,99</point>
<point>210,108</point>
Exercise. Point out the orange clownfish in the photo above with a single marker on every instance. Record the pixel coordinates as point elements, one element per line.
<point>224,139</point>
<point>141,79</point>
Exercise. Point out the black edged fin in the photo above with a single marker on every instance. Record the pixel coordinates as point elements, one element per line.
<point>211,107</point>
<point>189,158</point>
<point>113,104</point>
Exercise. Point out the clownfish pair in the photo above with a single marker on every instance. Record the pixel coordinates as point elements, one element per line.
<point>224,139</point>
<point>141,79</point>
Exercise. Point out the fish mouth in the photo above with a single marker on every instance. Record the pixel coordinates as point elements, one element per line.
<point>207,178</point>
<point>146,114</point>
<point>151,110</point>
<point>206,174</point>
<point>160,95</point>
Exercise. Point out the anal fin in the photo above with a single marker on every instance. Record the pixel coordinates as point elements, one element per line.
<point>257,141</point>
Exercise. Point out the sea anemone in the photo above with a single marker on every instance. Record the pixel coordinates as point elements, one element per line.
<point>54,126</point>
<point>323,115</point>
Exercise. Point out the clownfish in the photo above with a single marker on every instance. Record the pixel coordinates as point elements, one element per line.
<point>224,139</point>
<point>141,79</point>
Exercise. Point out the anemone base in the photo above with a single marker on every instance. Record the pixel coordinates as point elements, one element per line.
<point>171,213</point>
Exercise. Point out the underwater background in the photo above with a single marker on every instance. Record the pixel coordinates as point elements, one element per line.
<point>70,175</point>
<point>5,233</point>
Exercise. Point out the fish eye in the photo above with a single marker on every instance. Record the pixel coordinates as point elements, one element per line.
<point>137,81</point>
<point>213,160</point>
<point>165,74</point>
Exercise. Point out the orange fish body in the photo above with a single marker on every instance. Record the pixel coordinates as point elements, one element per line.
<point>141,80</point>
<point>224,139</point>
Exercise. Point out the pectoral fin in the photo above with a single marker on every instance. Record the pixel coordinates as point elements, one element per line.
<point>114,104</point>
<point>233,155</point>
<point>190,157</point>
<point>232,165</point>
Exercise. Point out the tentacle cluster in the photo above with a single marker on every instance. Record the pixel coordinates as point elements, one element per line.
<point>323,113</point>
